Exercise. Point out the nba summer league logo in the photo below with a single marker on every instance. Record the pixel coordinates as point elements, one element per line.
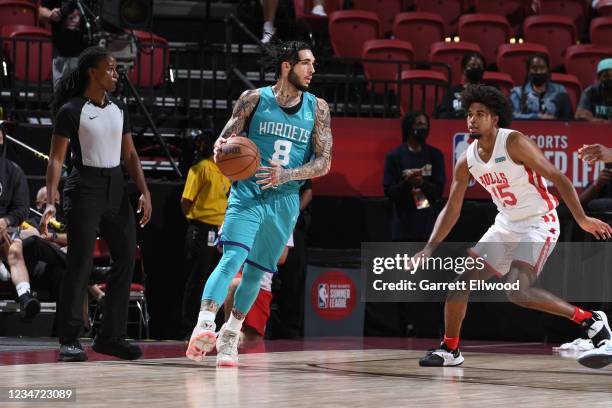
<point>461,141</point>
<point>333,295</point>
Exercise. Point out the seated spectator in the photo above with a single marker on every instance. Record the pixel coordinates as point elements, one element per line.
<point>538,97</point>
<point>413,180</point>
<point>269,14</point>
<point>596,101</point>
<point>598,196</point>
<point>473,65</point>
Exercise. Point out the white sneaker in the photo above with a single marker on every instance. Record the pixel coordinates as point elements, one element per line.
<point>442,357</point>
<point>599,357</point>
<point>227,347</point>
<point>576,345</point>
<point>267,35</point>
<point>318,10</point>
<point>202,341</point>
<point>598,328</point>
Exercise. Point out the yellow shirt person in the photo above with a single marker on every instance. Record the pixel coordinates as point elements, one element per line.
<point>206,191</point>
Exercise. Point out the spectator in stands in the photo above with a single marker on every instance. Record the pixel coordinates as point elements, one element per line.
<point>414,180</point>
<point>473,65</point>
<point>598,196</point>
<point>538,97</point>
<point>269,14</point>
<point>204,202</point>
<point>67,34</point>
<point>596,101</point>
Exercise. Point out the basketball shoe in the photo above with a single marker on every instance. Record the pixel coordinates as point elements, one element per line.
<point>227,347</point>
<point>597,328</point>
<point>442,357</point>
<point>599,357</point>
<point>202,340</point>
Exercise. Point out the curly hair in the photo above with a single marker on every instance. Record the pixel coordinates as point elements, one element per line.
<point>490,97</point>
<point>277,52</point>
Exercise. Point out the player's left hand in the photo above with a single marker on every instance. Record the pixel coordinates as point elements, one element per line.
<point>593,153</point>
<point>597,228</point>
<point>271,176</point>
<point>145,207</point>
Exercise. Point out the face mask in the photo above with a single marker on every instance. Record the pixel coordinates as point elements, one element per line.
<point>420,135</point>
<point>474,75</point>
<point>538,79</point>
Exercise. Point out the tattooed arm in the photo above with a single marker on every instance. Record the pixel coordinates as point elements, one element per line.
<point>322,137</point>
<point>242,110</point>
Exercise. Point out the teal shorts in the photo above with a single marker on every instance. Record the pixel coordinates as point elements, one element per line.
<point>262,225</point>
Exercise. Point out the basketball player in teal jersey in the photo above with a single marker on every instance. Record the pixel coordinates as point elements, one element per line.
<point>291,128</point>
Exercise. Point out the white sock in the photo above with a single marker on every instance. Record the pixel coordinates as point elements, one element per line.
<point>233,323</point>
<point>268,27</point>
<point>206,316</point>
<point>22,288</point>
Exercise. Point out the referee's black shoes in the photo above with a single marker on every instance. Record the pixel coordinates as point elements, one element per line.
<point>116,346</point>
<point>72,352</point>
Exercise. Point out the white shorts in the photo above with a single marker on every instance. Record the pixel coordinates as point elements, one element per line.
<point>528,241</point>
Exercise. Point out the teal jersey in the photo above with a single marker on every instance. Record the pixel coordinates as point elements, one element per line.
<point>280,136</point>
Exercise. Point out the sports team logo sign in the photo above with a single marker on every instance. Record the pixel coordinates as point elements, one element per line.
<point>333,295</point>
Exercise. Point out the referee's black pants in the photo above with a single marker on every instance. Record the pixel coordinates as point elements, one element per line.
<point>95,200</point>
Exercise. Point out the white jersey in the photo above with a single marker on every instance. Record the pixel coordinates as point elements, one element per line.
<point>518,191</point>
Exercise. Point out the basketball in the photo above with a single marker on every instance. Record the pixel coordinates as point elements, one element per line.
<point>239,158</point>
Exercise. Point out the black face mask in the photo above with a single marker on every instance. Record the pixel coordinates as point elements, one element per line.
<point>474,75</point>
<point>607,84</point>
<point>538,79</point>
<point>420,135</point>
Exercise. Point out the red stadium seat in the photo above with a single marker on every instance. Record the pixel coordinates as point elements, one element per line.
<point>387,50</point>
<point>30,51</point>
<point>499,79</point>
<point>18,12</point>
<point>422,28</point>
<point>312,21</point>
<point>501,7</point>
<point>385,9</point>
<point>582,60</point>
<point>489,31</point>
<point>511,59</point>
<point>152,61</point>
<point>601,31</point>
<point>449,10</point>
<point>350,29</point>
<point>571,84</point>
<point>574,9</point>
<point>421,90</point>
<point>604,8</point>
<point>555,32</point>
<point>451,54</point>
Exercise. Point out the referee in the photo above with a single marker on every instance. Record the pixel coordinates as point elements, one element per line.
<point>97,130</point>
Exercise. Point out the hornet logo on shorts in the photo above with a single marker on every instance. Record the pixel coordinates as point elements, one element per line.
<point>461,141</point>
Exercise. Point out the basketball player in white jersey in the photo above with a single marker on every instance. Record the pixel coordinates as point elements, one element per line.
<point>513,170</point>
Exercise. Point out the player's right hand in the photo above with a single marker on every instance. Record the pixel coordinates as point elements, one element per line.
<point>424,254</point>
<point>598,228</point>
<point>46,217</point>
<point>218,145</point>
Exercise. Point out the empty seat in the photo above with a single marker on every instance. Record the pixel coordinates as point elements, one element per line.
<point>451,54</point>
<point>604,8</point>
<point>449,10</point>
<point>489,31</point>
<point>555,32</point>
<point>574,9</point>
<point>512,58</point>
<point>601,31</point>
<point>30,52</point>
<point>14,12</point>
<point>314,22</point>
<point>501,7</point>
<point>385,9</point>
<point>582,60</point>
<point>350,29</point>
<point>500,80</point>
<point>152,60</point>
<point>571,84</point>
<point>392,50</point>
<point>421,90</point>
<point>422,28</point>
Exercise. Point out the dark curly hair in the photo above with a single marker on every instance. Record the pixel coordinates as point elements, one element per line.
<point>276,52</point>
<point>490,97</point>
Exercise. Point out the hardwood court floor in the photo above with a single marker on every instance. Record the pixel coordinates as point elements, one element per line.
<point>325,372</point>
